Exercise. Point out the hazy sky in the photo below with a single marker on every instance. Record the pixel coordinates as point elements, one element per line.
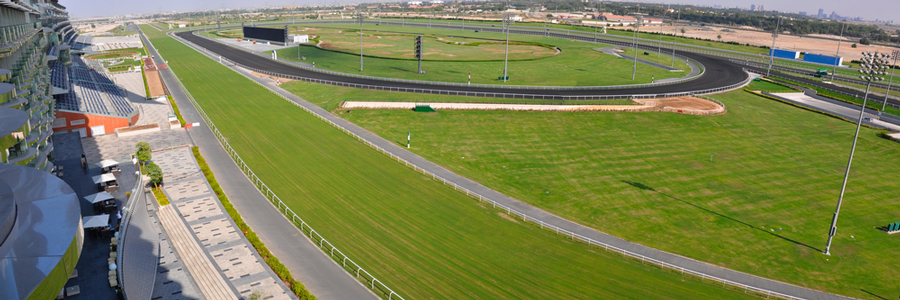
<point>870,9</point>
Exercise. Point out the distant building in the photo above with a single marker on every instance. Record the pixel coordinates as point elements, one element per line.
<point>752,7</point>
<point>301,38</point>
<point>802,13</point>
<point>821,13</point>
<point>436,1</point>
<point>414,3</point>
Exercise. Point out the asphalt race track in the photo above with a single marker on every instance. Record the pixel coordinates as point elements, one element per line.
<point>718,73</point>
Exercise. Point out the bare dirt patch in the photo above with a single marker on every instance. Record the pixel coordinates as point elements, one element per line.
<point>687,102</point>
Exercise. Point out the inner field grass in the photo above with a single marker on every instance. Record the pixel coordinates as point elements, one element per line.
<point>763,205</point>
<point>421,238</point>
<point>577,65</point>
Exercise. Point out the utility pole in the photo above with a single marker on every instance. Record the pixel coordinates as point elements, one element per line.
<point>506,21</point>
<point>637,26</point>
<point>675,42</point>
<point>360,16</point>
<point>895,55</point>
<point>772,50</point>
<point>838,52</point>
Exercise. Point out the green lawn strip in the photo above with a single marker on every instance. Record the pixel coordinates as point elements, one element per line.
<point>283,273</point>
<point>330,98</point>
<point>577,64</point>
<point>648,178</point>
<point>422,239</point>
<point>667,36</point>
<point>770,86</point>
<point>840,97</point>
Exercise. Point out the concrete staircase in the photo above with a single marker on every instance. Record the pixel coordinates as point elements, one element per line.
<point>210,281</point>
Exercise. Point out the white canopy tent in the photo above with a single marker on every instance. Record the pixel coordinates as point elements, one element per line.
<point>106,163</point>
<point>95,221</point>
<point>94,198</point>
<point>104,178</point>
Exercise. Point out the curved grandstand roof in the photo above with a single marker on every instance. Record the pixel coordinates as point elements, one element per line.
<point>40,227</point>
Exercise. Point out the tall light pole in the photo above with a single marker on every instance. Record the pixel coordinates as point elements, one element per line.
<point>871,69</point>
<point>838,52</point>
<point>895,55</point>
<point>637,26</point>
<point>660,39</point>
<point>506,21</point>
<point>360,42</point>
<point>675,42</point>
<point>772,50</point>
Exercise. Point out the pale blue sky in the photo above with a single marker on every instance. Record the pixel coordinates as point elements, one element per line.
<point>870,9</point>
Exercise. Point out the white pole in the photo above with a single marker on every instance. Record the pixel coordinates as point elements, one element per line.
<point>772,50</point>
<point>837,53</point>
<point>890,81</point>
<point>506,59</point>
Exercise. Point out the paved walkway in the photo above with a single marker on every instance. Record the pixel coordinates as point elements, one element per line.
<point>193,203</point>
<point>109,146</point>
<point>843,111</point>
<point>322,276</point>
<point>547,218</point>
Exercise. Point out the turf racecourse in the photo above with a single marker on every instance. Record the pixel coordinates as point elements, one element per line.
<point>576,65</point>
<point>424,240</point>
<point>763,205</point>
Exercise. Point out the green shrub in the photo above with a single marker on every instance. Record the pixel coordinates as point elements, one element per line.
<point>144,153</point>
<point>155,173</point>
<point>283,273</point>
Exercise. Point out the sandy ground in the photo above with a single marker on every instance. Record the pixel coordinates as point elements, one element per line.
<point>649,105</point>
<point>788,42</point>
<point>153,80</point>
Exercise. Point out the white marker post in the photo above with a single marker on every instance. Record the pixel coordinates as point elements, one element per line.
<point>470,77</point>
<point>408,134</point>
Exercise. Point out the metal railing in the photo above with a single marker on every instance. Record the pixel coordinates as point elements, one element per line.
<point>346,262</point>
<point>574,236</point>
<point>136,194</point>
<point>460,93</point>
<point>481,85</point>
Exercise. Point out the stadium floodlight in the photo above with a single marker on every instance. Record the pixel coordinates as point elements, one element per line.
<point>871,70</point>
<point>507,20</point>
<point>675,42</point>
<point>360,16</point>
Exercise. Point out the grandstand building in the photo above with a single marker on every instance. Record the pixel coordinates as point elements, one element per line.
<point>32,34</point>
<point>41,234</point>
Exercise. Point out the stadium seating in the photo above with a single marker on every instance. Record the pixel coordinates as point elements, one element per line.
<point>88,85</point>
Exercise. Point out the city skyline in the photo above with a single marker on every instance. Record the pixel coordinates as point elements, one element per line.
<point>94,8</point>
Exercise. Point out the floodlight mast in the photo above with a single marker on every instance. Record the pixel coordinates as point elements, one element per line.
<point>506,21</point>
<point>872,65</point>
<point>837,53</point>
<point>895,55</point>
<point>772,50</point>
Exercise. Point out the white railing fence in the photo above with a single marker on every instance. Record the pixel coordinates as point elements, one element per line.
<point>136,194</point>
<point>343,259</point>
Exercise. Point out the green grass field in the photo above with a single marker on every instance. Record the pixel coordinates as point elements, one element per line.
<point>421,238</point>
<point>762,205</point>
<point>771,87</point>
<point>578,64</point>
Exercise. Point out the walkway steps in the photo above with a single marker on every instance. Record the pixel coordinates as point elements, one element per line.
<point>211,283</point>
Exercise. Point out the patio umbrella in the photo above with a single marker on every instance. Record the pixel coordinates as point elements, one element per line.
<point>104,178</point>
<point>106,163</point>
<point>94,198</point>
<point>95,221</point>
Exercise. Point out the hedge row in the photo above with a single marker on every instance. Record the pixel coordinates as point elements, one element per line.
<point>296,287</point>
<point>160,196</point>
<point>177,112</point>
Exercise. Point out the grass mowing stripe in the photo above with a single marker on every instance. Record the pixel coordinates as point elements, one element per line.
<point>647,177</point>
<point>422,239</point>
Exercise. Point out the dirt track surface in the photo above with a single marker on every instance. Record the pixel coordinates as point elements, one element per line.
<point>687,102</point>
<point>649,105</point>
